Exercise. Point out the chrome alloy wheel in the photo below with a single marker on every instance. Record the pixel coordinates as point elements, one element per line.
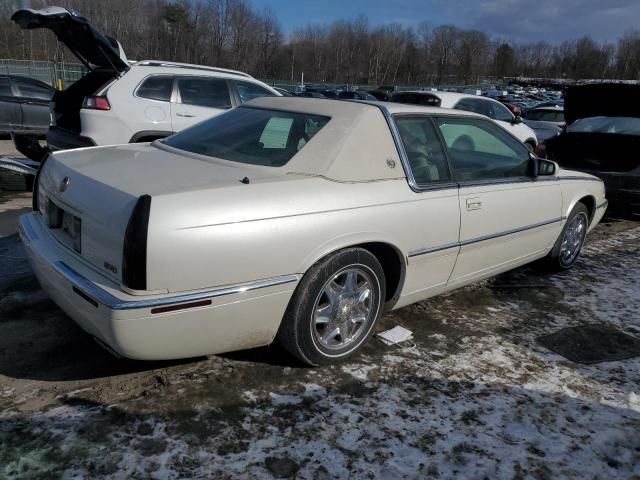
<point>343,310</point>
<point>573,239</point>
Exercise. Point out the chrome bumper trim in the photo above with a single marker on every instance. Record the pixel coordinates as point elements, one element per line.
<point>105,298</point>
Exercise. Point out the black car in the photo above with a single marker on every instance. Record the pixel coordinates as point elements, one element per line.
<point>356,95</point>
<point>24,105</point>
<point>602,137</point>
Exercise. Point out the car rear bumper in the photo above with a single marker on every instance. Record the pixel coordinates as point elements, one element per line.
<point>61,139</point>
<point>155,327</point>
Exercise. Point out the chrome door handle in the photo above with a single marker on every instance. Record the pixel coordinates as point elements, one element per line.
<point>474,204</point>
<point>185,115</point>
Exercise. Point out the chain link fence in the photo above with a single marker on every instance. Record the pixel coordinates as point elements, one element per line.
<point>57,74</point>
<point>62,74</point>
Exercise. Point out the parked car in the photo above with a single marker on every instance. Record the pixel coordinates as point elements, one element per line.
<point>24,105</point>
<point>117,102</point>
<point>513,108</point>
<point>547,122</point>
<point>381,95</point>
<point>310,94</point>
<point>283,91</point>
<point>473,103</point>
<point>293,219</point>
<point>356,95</point>
<point>602,137</point>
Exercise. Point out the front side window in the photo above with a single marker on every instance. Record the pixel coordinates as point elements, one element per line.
<point>475,106</point>
<point>248,91</point>
<point>480,150</point>
<point>253,136</point>
<point>500,112</point>
<point>204,92</point>
<point>157,87</point>
<point>424,150</point>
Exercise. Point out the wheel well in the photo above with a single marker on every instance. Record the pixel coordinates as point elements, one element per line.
<point>394,269</point>
<point>590,203</point>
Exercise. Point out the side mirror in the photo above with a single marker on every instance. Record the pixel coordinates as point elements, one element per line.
<point>516,120</point>
<point>546,167</point>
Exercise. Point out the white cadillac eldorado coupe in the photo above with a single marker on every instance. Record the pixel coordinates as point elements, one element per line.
<point>294,219</point>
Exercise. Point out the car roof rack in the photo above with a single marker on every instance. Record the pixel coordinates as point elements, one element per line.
<point>155,63</point>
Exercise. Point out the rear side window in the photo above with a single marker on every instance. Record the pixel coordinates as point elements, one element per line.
<point>5,88</point>
<point>248,91</point>
<point>158,87</point>
<point>424,150</point>
<point>204,92</point>
<point>481,150</point>
<point>253,136</point>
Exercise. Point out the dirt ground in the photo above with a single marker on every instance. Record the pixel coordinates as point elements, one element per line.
<point>474,396</point>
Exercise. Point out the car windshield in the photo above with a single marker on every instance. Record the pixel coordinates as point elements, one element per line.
<point>253,136</point>
<point>619,125</point>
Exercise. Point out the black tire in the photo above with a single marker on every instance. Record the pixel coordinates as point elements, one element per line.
<point>555,261</point>
<point>298,332</point>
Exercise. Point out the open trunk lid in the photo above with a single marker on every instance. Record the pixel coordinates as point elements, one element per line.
<point>90,46</point>
<point>602,99</point>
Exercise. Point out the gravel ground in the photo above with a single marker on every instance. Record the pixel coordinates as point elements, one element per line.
<point>475,396</point>
<point>7,148</point>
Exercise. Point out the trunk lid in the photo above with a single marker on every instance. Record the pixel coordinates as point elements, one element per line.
<point>90,46</point>
<point>603,99</point>
<point>98,188</point>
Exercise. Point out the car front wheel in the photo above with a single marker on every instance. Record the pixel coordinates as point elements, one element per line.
<point>567,248</point>
<point>334,308</point>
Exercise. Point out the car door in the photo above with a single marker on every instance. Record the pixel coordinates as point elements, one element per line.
<point>433,207</point>
<point>34,101</point>
<point>197,99</point>
<point>508,215</point>
<point>10,113</point>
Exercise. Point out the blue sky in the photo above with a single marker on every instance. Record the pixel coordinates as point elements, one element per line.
<point>518,20</point>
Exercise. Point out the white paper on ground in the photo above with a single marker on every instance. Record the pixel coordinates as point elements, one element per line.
<point>396,335</point>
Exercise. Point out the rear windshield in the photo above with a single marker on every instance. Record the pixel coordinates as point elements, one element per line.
<point>619,125</point>
<point>250,135</point>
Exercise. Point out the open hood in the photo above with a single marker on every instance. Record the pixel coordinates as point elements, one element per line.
<point>603,99</point>
<point>92,47</point>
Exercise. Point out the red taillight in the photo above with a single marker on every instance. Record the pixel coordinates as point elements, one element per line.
<point>96,103</point>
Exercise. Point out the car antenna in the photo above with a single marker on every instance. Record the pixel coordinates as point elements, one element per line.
<point>246,180</point>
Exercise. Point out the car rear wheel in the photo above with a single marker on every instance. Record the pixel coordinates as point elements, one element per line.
<point>567,248</point>
<point>335,307</point>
